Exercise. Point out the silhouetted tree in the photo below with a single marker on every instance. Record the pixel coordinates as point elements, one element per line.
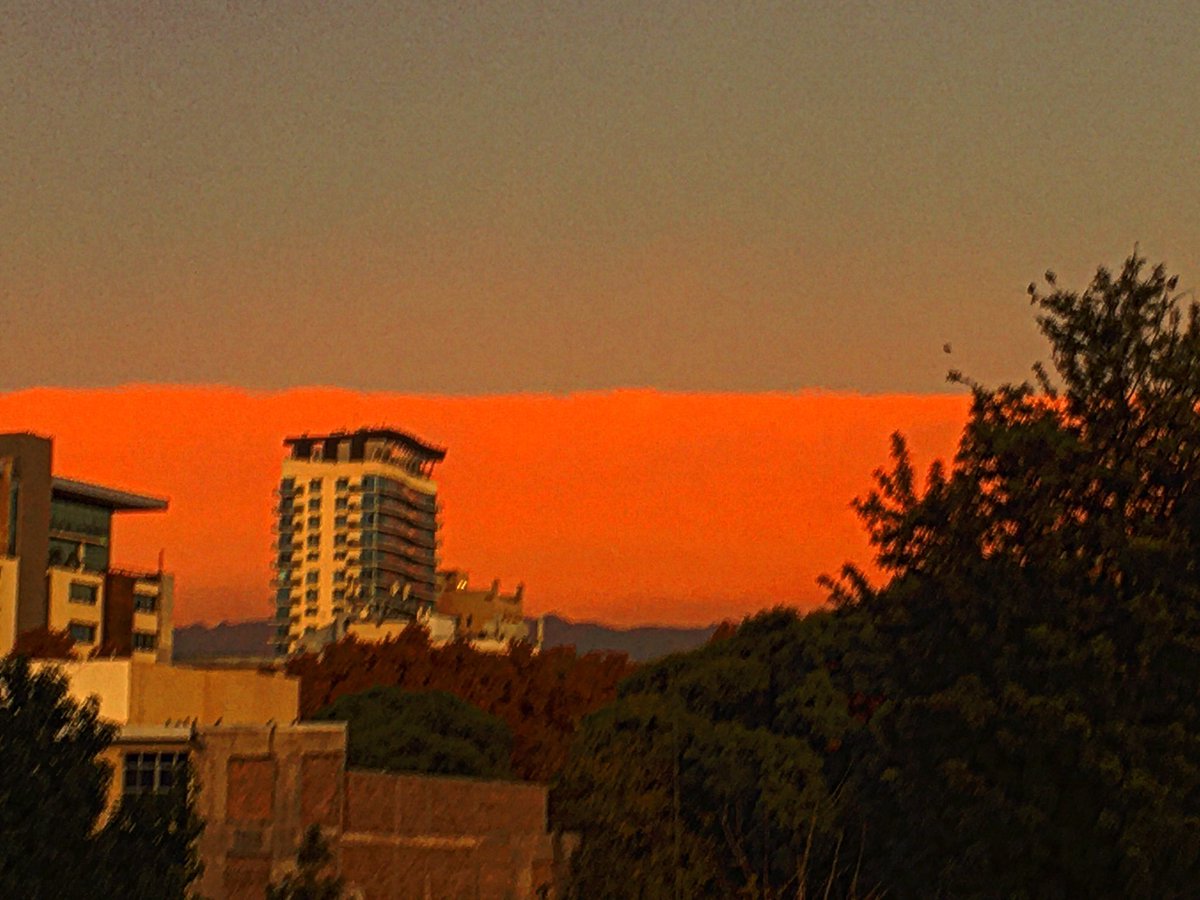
<point>400,730</point>
<point>1038,634</point>
<point>149,844</point>
<point>52,783</point>
<point>314,878</point>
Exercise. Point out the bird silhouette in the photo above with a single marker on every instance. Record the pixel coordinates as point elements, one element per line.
<point>945,348</point>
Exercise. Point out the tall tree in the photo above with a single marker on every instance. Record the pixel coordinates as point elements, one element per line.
<point>1039,628</point>
<point>53,784</point>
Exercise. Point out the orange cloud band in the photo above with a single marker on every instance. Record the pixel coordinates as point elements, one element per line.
<point>629,507</point>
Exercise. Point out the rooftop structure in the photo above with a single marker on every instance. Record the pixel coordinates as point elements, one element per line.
<point>56,568</point>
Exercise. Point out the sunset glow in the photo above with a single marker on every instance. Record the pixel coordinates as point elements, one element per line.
<point>628,507</point>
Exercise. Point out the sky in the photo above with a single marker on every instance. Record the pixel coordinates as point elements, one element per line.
<point>497,198</point>
<point>715,251</point>
<point>626,507</point>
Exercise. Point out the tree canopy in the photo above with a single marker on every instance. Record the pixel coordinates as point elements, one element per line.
<point>53,790</point>
<point>541,697</point>
<point>399,730</point>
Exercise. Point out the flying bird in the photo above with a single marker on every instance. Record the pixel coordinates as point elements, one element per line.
<point>945,348</point>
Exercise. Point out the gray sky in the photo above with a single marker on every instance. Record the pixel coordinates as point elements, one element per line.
<point>504,197</point>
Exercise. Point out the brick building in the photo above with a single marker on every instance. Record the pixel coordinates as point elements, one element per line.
<point>263,779</point>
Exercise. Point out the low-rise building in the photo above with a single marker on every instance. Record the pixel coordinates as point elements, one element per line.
<point>490,620</point>
<point>263,778</point>
<point>56,560</point>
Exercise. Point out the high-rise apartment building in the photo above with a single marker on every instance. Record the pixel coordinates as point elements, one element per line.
<point>356,533</point>
<point>56,568</point>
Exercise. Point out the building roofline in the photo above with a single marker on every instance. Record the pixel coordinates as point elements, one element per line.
<point>427,450</point>
<point>113,498</point>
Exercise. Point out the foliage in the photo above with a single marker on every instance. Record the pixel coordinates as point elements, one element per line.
<point>52,783</point>
<point>53,789</point>
<point>313,878</point>
<point>149,845</point>
<point>541,697</point>
<point>1040,630</point>
<point>421,731</point>
<point>740,751</point>
<point>45,643</point>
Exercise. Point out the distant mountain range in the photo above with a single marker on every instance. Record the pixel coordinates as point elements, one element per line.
<point>253,639</point>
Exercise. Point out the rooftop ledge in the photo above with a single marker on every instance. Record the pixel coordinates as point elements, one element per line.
<point>99,495</point>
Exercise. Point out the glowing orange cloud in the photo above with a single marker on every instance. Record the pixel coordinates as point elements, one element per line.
<point>628,506</point>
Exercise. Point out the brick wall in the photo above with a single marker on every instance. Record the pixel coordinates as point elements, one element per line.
<point>395,837</point>
<point>431,837</point>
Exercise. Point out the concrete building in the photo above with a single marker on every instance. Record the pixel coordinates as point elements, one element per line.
<point>57,567</point>
<point>262,779</point>
<point>356,534</point>
<point>490,620</point>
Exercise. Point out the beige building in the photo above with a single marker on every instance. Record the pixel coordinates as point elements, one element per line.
<point>355,534</point>
<point>262,778</point>
<point>56,560</point>
<point>487,618</point>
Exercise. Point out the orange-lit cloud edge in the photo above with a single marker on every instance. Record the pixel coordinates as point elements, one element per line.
<point>631,506</point>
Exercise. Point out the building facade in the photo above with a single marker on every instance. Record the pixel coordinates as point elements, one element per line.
<point>488,619</point>
<point>355,534</point>
<point>57,568</point>
<point>262,778</point>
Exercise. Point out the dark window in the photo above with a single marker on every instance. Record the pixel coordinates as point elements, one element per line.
<point>339,540</point>
<point>149,773</point>
<point>343,484</point>
<point>283,595</point>
<point>84,593</point>
<point>339,594</point>
<point>146,603</point>
<point>287,485</point>
<point>82,633</point>
<point>339,522</point>
<point>312,577</point>
<point>313,540</point>
<point>144,640</point>
<point>314,521</point>
<point>314,485</point>
<point>341,503</point>
<point>339,576</point>
<point>314,504</point>
<point>310,596</point>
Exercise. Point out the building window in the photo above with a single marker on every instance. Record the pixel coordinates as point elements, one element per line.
<point>339,576</point>
<point>339,594</point>
<point>311,595</point>
<point>314,486</point>
<point>145,603</point>
<point>312,576</point>
<point>343,484</point>
<point>82,633</point>
<point>339,522</point>
<point>339,540</point>
<point>287,485</point>
<point>314,522</point>
<point>82,592</point>
<point>339,555</point>
<point>151,773</point>
<point>144,640</point>
<point>314,504</point>
<point>312,556</point>
<point>341,503</point>
<point>313,540</point>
